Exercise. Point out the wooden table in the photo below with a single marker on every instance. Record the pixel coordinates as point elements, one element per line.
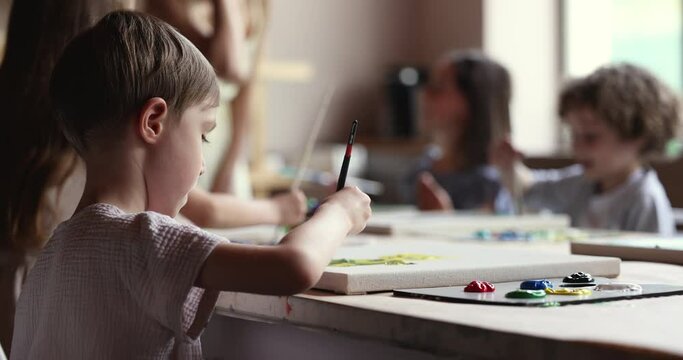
<point>323,325</point>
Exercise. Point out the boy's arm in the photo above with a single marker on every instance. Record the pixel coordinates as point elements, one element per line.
<point>298,261</point>
<point>650,211</point>
<point>223,210</point>
<point>518,180</point>
<point>430,195</point>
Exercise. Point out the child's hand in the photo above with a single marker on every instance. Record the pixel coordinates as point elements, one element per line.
<point>430,195</point>
<point>504,156</point>
<point>291,207</point>
<point>356,206</point>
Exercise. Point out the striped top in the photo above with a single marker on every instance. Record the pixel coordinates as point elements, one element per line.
<point>111,285</point>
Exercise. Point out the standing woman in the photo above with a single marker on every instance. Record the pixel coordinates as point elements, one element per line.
<point>230,34</point>
<point>466,106</point>
<point>37,161</point>
<point>233,44</point>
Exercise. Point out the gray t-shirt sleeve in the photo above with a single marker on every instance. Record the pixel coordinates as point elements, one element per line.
<point>554,189</point>
<point>171,258</point>
<point>645,217</point>
<point>651,210</point>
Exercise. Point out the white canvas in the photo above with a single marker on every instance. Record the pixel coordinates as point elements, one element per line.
<point>421,223</point>
<point>459,264</point>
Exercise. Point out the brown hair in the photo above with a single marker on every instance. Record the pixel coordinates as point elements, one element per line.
<point>34,152</point>
<point>486,86</point>
<point>108,72</point>
<point>630,100</point>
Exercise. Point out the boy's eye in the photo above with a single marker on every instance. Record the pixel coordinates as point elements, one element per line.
<point>204,139</point>
<point>586,139</point>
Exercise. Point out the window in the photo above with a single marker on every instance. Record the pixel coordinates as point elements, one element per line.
<point>644,32</point>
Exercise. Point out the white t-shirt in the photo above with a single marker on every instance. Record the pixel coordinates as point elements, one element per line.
<point>640,204</point>
<point>111,285</point>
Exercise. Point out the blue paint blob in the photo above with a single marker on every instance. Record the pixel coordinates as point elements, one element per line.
<point>483,235</point>
<point>509,236</point>
<point>535,285</point>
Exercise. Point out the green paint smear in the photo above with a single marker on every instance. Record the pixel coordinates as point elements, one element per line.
<point>397,259</point>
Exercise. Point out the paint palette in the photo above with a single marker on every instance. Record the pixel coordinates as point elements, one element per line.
<point>457,294</point>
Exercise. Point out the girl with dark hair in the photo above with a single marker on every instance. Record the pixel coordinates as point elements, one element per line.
<point>39,161</point>
<point>466,105</point>
<point>234,46</point>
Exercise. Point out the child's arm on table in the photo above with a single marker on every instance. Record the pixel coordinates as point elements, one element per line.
<point>298,261</point>
<point>430,196</point>
<point>223,210</point>
<point>515,176</point>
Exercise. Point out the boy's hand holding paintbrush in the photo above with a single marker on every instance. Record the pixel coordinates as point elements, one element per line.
<point>515,176</point>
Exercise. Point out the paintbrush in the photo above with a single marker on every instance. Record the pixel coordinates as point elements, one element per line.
<point>347,156</point>
<point>308,150</point>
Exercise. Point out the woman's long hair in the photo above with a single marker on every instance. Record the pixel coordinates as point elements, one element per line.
<point>35,154</point>
<point>486,86</point>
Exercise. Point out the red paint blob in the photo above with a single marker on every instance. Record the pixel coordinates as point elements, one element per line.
<point>480,286</point>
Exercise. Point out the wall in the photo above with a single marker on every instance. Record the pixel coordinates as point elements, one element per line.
<point>524,36</point>
<point>353,43</point>
<point>447,24</point>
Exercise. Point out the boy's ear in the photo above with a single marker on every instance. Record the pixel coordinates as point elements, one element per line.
<point>152,119</point>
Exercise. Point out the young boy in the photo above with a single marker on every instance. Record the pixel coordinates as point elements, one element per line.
<point>121,279</point>
<point>620,117</point>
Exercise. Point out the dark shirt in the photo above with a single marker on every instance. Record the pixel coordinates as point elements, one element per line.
<point>469,189</point>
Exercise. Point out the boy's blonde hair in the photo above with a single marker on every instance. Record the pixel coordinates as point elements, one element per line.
<point>108,72</point>
<point>630,100</point>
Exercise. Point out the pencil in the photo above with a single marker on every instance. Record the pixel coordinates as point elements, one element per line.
<point>347,157</point>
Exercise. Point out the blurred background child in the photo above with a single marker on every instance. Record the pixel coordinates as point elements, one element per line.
<point>466,106</point>
<point>621,117</point>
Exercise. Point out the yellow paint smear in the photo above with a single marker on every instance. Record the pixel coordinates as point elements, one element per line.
<point>397,259</point>
<point>565,291</point>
